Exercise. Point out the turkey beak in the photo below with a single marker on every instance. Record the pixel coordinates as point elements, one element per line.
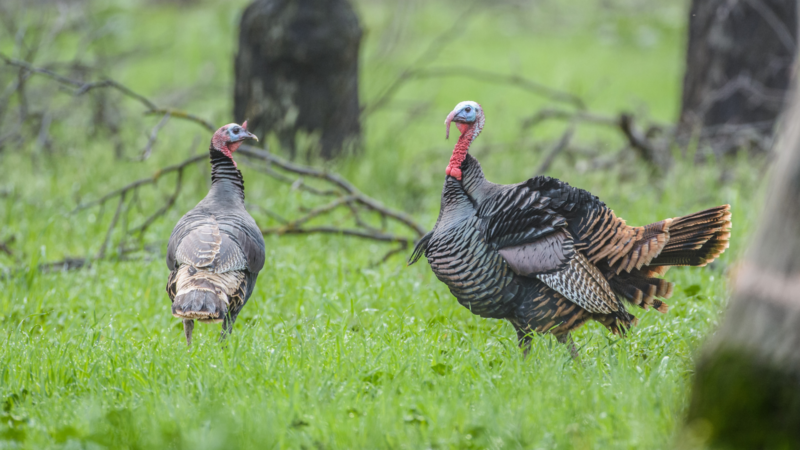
<point>249,135</point>
<point>447,123</point>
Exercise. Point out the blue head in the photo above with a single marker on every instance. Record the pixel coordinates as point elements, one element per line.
<point>466,115</point>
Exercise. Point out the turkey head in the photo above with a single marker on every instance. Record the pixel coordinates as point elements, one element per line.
<point>469,119</point>
<point>229,137</point>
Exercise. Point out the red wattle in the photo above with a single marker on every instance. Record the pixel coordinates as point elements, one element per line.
<point>460,151</point>
<point>454,172</point>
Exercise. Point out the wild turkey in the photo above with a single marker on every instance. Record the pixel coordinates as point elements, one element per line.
<point>216,250</point>
<point>547,256</point>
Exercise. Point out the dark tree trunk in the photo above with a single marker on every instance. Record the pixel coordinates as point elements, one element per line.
<point>297,71</point>
<point>747,385</point>
<point>739,65</point>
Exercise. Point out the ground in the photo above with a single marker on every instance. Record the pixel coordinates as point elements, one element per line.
<point>332,351</point>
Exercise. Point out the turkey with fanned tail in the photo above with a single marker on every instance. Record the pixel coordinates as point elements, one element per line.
<point>546,256</point>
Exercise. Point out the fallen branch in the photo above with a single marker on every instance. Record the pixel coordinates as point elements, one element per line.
<point>382,237</point>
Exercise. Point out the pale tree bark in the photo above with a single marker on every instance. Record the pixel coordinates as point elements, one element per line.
<point>739,67</point>
<point>747,385</point>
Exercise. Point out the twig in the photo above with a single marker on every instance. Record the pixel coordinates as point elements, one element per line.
<point>505,79</point>
<point>81,87</point>
<point>113,84</point>
<point>429,54</point>
<point>481,75</point>
<point>560,146</point>
<point>296,183</point>
<point>102,252</point>
<point>572,116</point>
<point>335,179</point>
<point>638,141</point>
<point>170,201</point>
<point>324,209</point>
<point>141,182</point>
<point>347,195</point>
<point>383,237</point>
<point>268,212</point>
<point>153,136</point>
<point>399,249</point>
<point>182,115</point>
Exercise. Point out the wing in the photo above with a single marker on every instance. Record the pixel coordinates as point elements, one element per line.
<point>528,226</point>
<point>203,242</point>
<point>245,232</point>
<point>198,234</point>
<point>547,311</point>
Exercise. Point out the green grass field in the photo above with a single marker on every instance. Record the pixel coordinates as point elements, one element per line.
<point>332,352</point>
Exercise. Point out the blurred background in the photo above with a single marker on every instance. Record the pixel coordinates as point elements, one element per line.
<point>660,108</point>
<point>582,90</point>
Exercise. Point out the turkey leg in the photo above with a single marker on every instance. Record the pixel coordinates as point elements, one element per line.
<point>566,339</point>
<point>188,326</point>
<point>227,323</point>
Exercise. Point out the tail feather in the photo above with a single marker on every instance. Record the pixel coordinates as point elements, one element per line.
<point>200,304</point>
<point>640,290</point>
<point>420,248</point>
<point>696,239</point>
<point>204,295</point>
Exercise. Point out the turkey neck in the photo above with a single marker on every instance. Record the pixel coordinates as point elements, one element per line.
<point>227,183</point>
<point>474,183</point>
<point>460,151</point>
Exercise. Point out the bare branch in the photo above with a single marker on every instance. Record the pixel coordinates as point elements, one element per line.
<point>573,116</point>
<point>335,179</point>
<point>102,252</point>
<point>324,209</point>
<point>399,249</point>
<point>183,115</point>
<point>558,148</point>
<point>161,211</point>
<point>384,237</point>
<point>638,141</point>
<point>476,74</point>
<point>136,184</point>
<point>121,88</point>
<point>153,136</point>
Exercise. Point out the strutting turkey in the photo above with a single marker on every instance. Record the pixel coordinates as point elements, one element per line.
<point>547,256</point>
<point>216,250</point>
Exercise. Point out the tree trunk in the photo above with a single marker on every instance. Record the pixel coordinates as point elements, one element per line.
<point>747,385</point>
<point>297,71</point>
<point>739,65</point>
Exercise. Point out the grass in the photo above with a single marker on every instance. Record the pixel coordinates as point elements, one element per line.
<point>329,352</point>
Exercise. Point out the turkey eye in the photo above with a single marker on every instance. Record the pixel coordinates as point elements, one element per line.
<point>235,130</point>
<point>468,109</point>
